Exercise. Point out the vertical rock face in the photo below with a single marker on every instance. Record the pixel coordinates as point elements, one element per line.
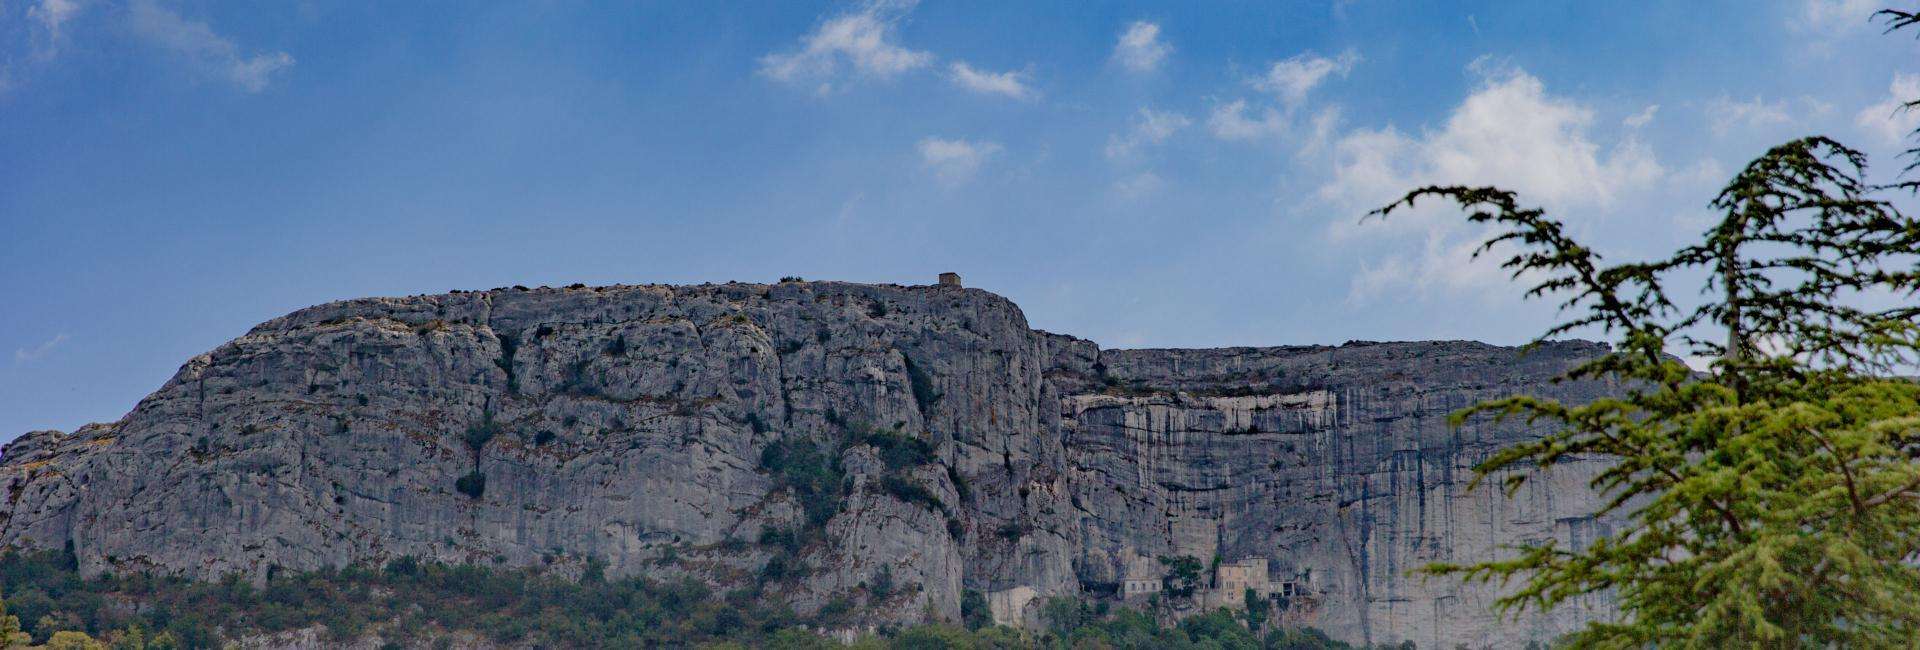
<point>626,426</point>
<point>1336,465</point>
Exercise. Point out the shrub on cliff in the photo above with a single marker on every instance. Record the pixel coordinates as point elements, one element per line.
<point>814,477</point>
<point>907,490</point>
<point>899,451</point>
<point>472,484</point>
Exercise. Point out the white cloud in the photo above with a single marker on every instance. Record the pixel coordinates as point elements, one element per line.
<point>23,355</point>
<point>1231,121</point>
<point>1509,132</point>
<point>1442,264</point>
<point>1291,79</point>
<point>1703,173</point>
<point>196,42</point>
<point>1140,48</point>
<point>1325,123</point>
<point>1816,107</point>
<point>1149,127</point>
<point>1835,17</point>
<point>954,162</point>
<point>1642,118</point>
<point>1726,114</point>
<point>1138,186</point>
<point>1011,84</point>
<point>861,40</point>
<point>52,14</point>
<point>1890,120</point>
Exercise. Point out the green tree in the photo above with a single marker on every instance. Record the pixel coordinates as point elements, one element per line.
<point>975,613</point>
<point>1773,500</point>
<point>1257,609</point>
<point>1183,575</point>
<point>71,640</point>
<point>11,636</point>
<point>1897,20</point>
<point>1065,615</point>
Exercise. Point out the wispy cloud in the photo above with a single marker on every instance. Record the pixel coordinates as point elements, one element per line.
<point>23,355</point>
<point>1140,48</point>
<point>954,162</point>
<point>1289,81</point>
<point>1292,78</point>
<point>1233,121</point>
<point>1138,186</point>
<point>1705,174</point>
<point>1890,120</point>
<point>1727,114</point>
<point>1149,127</point>
<point>861,41</point>
<point>1642,118</point>
<point>1010,84</point>
<point>1830,18</point>
<point>197,43</point>
<point>52,15</point>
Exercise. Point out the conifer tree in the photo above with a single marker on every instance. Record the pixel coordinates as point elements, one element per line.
<point>1773,499</point>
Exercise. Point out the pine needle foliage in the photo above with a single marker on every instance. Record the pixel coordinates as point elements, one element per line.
<point>1772,501</point>
<point>1897,20</point>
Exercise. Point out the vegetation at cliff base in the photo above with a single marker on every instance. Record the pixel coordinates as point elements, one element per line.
<point>405,599</point>
<point>1078,624</point>
<point>423,604</point>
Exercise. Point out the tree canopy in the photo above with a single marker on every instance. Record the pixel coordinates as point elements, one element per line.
<point>1773,499</point>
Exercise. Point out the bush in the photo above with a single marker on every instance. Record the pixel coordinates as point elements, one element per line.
<point>473,484</point>
<point>755,424</point>
<point>923,393</point>
<point>897,450</point>
<point>404,565</point>
<point>781,568</point>
<point>478,435</point>
<point>881,586</point>
<point>974,611</point>
<point>907,490</point>
<point>960,486</point>
<point>815,478</point>
<point>834,611</point>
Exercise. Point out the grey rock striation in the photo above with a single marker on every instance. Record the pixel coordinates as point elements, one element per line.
<point>625,426</point>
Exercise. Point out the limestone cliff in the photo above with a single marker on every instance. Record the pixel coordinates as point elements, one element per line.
<point>626,426</point>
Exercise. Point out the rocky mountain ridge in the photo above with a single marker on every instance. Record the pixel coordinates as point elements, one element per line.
<point>629,427</point>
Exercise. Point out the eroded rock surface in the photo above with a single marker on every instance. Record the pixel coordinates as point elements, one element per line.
<point>625,426</point>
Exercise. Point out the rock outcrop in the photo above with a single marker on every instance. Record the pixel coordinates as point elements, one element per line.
<point>627,427</point>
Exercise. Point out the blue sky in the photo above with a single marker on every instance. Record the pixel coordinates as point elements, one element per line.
<point>1179,174</point>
